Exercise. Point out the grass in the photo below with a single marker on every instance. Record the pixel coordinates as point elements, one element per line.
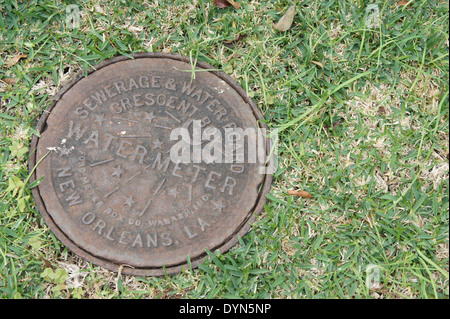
<point>362,114</point>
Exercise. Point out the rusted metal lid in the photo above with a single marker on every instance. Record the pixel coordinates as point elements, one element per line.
<point>111,191</point>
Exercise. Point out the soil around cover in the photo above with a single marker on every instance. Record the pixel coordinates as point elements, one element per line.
<point>109,190</point>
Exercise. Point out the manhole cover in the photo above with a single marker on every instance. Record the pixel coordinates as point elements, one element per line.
<point>118,190</point>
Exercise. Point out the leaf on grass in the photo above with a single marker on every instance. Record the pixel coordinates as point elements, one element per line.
<point>9,81</point>
<point>15,59</point>
<point>35,243</point>
<point>221,3</point>
<point>47,264</point>
<point>286,20</point>
<point>402,3</point>
<point>294,192</point>
<point>14,185</point>
<point>231,43</point>
<point>226,3</point>
<point>22,203</point>
<point>317,63</point>
<point>235,4</point>
<point>17,149</point>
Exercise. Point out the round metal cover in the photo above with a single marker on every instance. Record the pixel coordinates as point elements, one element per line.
<point>110,190</point>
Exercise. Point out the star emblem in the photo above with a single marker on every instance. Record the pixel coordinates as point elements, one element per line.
<point>173,192</point>
<point>158,143</point>
<point>129,201</point>
<point>149,116</point>
<point>100,118</point>
<point>64,151</point>
<point>219,205</point>
<point>118,171</point>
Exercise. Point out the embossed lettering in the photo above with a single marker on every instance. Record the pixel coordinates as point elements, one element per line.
<point>92,138</point>
<point>88,104</point>
<point>133,84</point>
<point>161,99</point>
<point>167,241</point>
<point>205,121</point>
<point>198,168</point>
<point>187,88</point>
<point>213,103</point>
<point>152,240</point>
<point>99,97</point>
<point>136,100</point>
<point>108,142</point>
<point>140,151</point>
<point>176,169</point>
<point>220,113</point>
<point>76,129</point>
<point>143,82</point>
<point>115,108</point>
<point>170,102</point>
<point>230,183</point>
<point>120,87</point>
<point>81,112</point>
<point>99,226</point>
<point>88,218</point>
<point>64,172</point>
<point>155,81</point>
<point>203,224</point>
<point>108,91</point>
<point>157,163</point>
<point>108,235</point>
<point>197,94</point>
<point>137,241</point>
<point>74,199</point>
<point>206,97</point>
<point>122,148</point>
<point>188,232</point>
<point>170,84</point>
<point>123,237</point>
<point>63,186</point>
<point>185,106</point>
<point>237,168</point>
<point>125,103</point>
<point>149,97</point>
<point>211,179</point>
